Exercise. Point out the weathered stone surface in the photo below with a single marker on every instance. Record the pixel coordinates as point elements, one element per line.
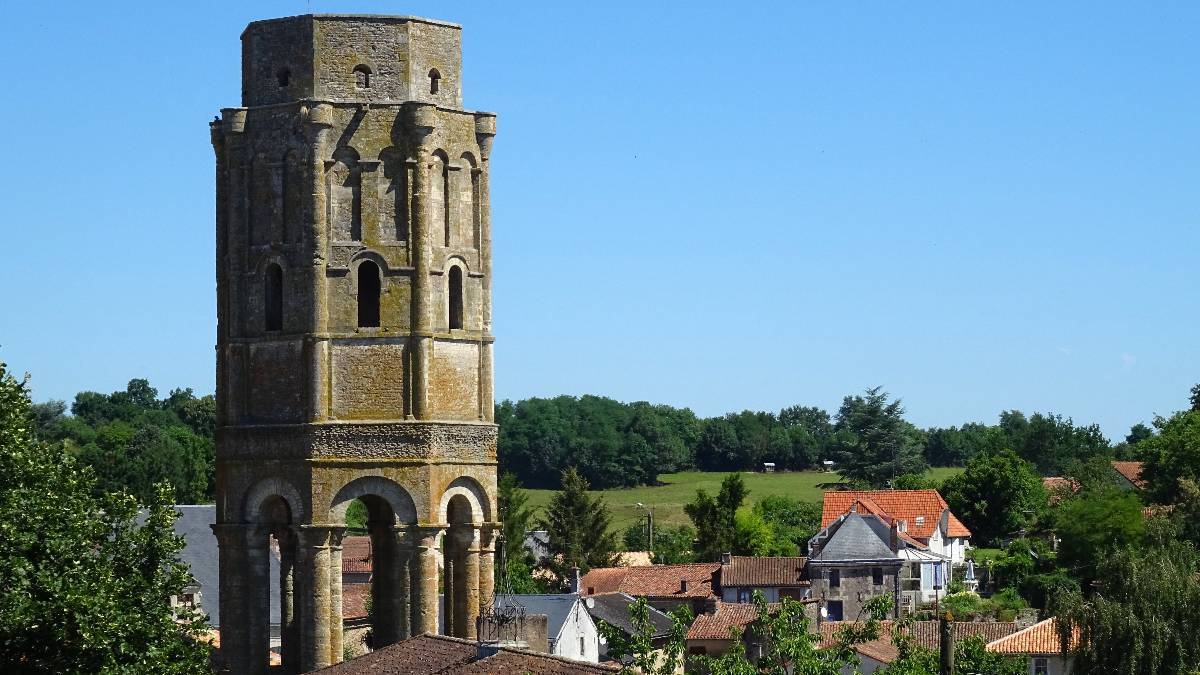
<point>354,346</point>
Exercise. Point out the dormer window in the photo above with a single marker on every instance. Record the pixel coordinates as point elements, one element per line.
<point>920,521</point>
<point>435,79</point>
<point>362,77</point>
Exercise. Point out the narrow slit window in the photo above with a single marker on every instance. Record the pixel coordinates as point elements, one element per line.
<point>283,76</point>
<point>368,295</point>
<point>434,81</point>
<point>456,298</point>
<point>362,77</point>
<point>273,301</point>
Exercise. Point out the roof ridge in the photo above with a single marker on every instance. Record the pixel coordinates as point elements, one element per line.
<point>1013,636</point>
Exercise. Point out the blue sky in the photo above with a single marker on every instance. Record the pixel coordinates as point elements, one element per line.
<point>978,208</point>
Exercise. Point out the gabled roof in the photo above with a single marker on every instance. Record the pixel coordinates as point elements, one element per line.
<point>772,572</point>
<point>719,624</point>
<point>443,655</point>
<point>1040,638</point>
<point>1132,472</point>
<point>854,536</point>
<point>556,606</point>
<point>652,581</point>
<point>613,608</point>
<point>906,505</point>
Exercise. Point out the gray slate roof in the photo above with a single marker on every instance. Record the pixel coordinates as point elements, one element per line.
<point>556,606</point>
<point>614,609</point>
<point>200,555</point>
<point>856,537</point>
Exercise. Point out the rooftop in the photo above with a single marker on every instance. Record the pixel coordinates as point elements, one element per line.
<point>440,654</point>
<point>1132,472</point>
<point>906,505</point>
<point>1040,638</point>
<point>613,608</point>
<point>777,571</point>
<point>654,581</point>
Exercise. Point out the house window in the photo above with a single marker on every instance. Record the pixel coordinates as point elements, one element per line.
<point>833,610</point>
<point>697,651</point>
<point>283,76</point>
<point>920,520</point>
<point>877,576</point>
<point>1041,666</point>
<point>368,295</point>
<point>743,595</point>
<point>835,578</point>
<point>581,650</point>
<point>189,600</point>
<point>435,79</point>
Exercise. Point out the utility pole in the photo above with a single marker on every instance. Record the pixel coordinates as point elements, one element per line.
<point>649,525</point>
<point>945,626</point>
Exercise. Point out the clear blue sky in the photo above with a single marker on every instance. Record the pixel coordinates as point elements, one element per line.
<point>978,208</point>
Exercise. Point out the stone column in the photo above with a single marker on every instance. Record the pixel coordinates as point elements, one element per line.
<point>466,589</point>
<point>245,597</point>
<point>487,571</point>
<point>319,121</point>
<point>424,602</point>
<point>335,595</point>
<point>391,616</point>
<point>289,637</point>
<point>424,117</point>
<point>485,133</point>
<point>313,561</point>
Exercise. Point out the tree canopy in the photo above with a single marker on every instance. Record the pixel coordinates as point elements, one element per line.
<point>873,442</point>
<point>579,528</point>
<point>996,496</point>
<point>85,583</point>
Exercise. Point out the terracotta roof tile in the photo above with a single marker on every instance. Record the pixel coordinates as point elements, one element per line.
<point>356,554</point>
<point>419,655</point>
<point>1040,638</point>
<point>354,600</point>
<point>520,662</point>
<point>442,655</point>
<point>925,634</point>
<point>653,581</point>
<point>717,626</point>
<point>778,571</point>
<point>905,505</point>
<point>1132,471</point>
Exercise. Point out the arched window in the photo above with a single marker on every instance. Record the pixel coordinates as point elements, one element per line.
<point>368,295</point>
<point>362,77</point>
<point>283,75</point>
<point>456,297</point>
<point>434,80</point>
<point>273,297</point>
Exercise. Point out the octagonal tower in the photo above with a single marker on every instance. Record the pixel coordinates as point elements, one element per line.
<point>354,345</point>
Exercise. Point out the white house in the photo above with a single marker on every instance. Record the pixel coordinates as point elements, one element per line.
<point>570,629</point>
<point>922,515</point>
<point>1041,645</point>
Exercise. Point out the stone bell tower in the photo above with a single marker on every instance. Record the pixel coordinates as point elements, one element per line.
<point>354,345</point>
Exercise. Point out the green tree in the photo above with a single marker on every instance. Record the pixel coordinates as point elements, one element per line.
<point>996,496</point>
<point>787,645</point>
<point>579,529</point>
<point>873,443</point>
<point>84,588</point>
<point>1144,618</point>
<point>1051,442</point>
<point>715,519</point>
<point>1093,523</point>
<point>637,653</point>
<point>1029,566</point>
<point>672,544</point>
<point>1172,455</point>
<point>970,657</point>
<point>793,522</point>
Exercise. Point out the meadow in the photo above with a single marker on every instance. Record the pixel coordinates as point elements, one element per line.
<point>677,489</point>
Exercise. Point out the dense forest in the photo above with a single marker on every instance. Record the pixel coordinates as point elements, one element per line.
<point>133,438</point>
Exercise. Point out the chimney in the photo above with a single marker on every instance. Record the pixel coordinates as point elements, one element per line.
<point>575,580</point>
<point>726,558</point>
<point>895,535</point>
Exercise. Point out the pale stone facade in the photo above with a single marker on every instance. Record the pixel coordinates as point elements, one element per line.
<point>354,346</point>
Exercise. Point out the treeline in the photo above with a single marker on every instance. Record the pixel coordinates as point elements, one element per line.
<point>132,439</point>
<point>614,444</point>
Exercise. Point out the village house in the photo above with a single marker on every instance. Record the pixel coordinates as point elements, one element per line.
<point>878,654</point>
<point>775,577</point>
<point>1041,645</point>
<point>665,587</point>
<point>852,560</point>
<point>613,609</point>
<point>922,515</point>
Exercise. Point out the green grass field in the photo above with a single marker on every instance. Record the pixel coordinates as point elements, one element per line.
<point>678,489</point>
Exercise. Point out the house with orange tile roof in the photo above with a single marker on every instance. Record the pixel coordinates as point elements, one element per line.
<point>1042,645</point>
<point>922,515</point>
<point>711,633</point>
<point>1129,475</point>
<point>665,587</point>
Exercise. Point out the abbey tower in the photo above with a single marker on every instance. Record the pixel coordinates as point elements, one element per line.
<point>354,346</point>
